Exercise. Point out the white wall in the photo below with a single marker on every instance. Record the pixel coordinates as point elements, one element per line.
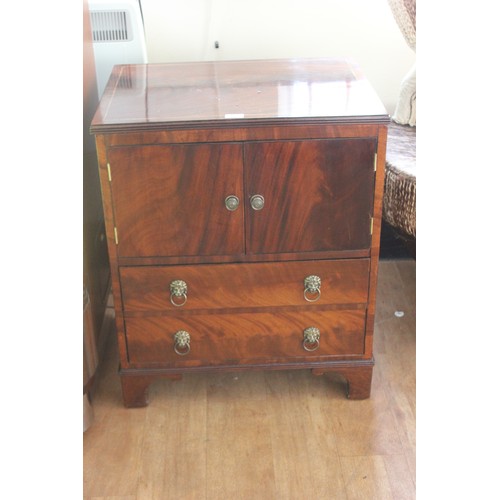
<point>365,30</point>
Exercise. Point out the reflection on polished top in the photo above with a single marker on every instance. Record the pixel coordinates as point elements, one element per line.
<point>244,93</point>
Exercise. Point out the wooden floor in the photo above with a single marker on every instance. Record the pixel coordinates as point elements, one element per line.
<point>272,435</point>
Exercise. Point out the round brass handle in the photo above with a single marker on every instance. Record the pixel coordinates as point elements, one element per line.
<point>257,202</point>
<point>178,293</point>
<point>182,341</point>
<point>311,339</point>
<point>232,203</point>
<point>312,288</point>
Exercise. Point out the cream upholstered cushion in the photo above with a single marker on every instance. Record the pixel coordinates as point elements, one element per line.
<point>406,108</point>
<point>405,14</point>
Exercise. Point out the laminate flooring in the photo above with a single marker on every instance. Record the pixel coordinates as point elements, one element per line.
<point>266,435</point>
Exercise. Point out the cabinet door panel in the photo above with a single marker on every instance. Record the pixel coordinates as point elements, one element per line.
<point>318,195</point>
<point>169,200</point>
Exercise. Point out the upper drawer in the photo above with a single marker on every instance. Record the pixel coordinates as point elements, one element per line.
<point>221,286</point>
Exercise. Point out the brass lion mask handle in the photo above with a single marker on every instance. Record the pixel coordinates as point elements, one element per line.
<point>178,293</point>
<point>311,338</point>
<point>182,342</point>
<point>312,288</point>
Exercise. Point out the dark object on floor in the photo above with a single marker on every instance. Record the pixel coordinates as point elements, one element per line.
<point>393,245</point>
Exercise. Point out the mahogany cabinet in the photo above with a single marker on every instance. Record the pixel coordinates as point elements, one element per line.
<point>243,209</point>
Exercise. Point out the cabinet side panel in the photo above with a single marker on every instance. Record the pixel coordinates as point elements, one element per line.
<point>113,257</point>
<point>375,247</point>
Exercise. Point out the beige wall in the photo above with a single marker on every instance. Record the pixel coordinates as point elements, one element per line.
<point>365,30</point>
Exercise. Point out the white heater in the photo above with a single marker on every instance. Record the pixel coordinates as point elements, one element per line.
<point>117,35</point>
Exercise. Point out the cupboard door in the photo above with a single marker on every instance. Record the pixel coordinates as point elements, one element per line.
<point>316,195</point>
<point>169,200</point>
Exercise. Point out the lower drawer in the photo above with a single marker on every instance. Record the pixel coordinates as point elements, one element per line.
<point>218,339</point>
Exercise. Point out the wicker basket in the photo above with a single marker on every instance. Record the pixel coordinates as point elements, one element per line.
<point>400,192</point>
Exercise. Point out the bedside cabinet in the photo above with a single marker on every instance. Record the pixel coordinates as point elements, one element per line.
<point>243,210</point>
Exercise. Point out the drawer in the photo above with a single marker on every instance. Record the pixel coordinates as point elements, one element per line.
<point>244,285</point>
<point>216,339</point>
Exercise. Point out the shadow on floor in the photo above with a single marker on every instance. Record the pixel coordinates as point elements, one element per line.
<point>395,246</point>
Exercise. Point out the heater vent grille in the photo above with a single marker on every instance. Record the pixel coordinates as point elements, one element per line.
<point>110,26</point>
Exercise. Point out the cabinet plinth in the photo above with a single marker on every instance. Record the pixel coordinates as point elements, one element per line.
<point>242,217</point>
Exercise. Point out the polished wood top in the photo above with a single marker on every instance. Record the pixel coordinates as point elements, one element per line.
<point>236,93</point>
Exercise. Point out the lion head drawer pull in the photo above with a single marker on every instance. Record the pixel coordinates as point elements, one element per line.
<point>312,288</point>
<point>311,339</point>
<point>178,293</point>
<point>182,341</point>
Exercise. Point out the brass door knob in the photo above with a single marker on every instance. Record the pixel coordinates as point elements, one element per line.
<point>311,338</point>
<point>182,341</point>
<point>257,202</point>
<point>232,202</point>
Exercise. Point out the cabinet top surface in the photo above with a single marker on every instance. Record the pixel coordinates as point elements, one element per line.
<point>236,93</point>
